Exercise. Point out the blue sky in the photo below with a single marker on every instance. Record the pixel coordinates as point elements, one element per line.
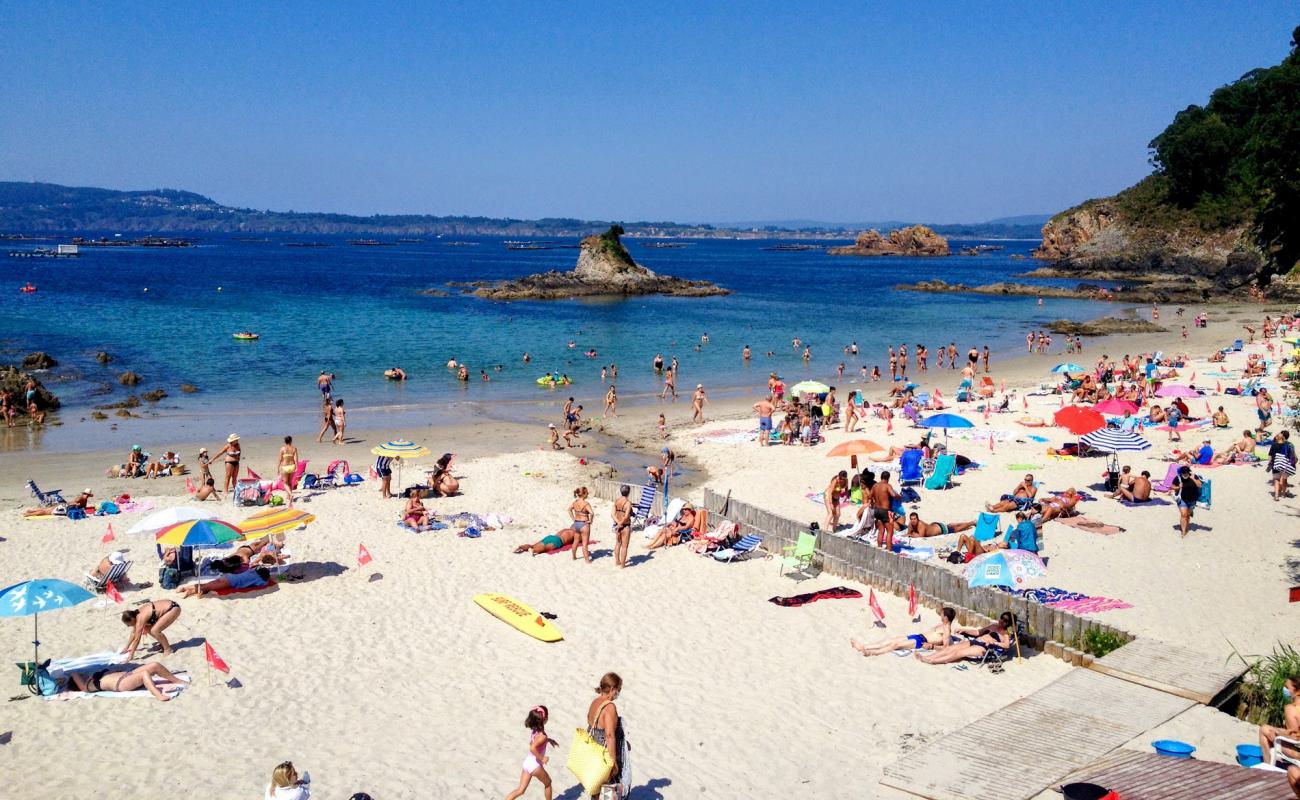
<point>684,111</point>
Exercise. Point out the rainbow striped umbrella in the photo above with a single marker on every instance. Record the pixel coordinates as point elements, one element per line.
<point>198,533</point>
<point>400,448</point>
<point>275,520</point>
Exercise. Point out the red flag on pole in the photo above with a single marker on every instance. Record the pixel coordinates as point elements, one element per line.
<point>189,485</point>
<point>109,536</point>
<point>1218,388</point>
<point>911,600</point>
<point>1003,386</point>
<point>1207,407</point>
<point>990,443</point>
<point>889,425</point>
<point>215,661</point>
<point>1024,399</point>
<point>876,610</point>
<point>986,411</point>
<point>363,555</point>
<point>113,593</point>
<point>1193,378</point>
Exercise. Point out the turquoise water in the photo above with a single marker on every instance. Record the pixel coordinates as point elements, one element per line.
<point>357,310</point>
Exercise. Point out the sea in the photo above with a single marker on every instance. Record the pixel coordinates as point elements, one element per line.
<point>169,314</point>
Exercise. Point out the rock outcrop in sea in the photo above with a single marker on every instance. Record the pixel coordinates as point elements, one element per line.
<point>914,240</point>
<point>13,379</point>
<point>604,268</point>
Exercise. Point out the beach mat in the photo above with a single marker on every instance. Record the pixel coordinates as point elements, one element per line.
<point>1090,525</point>
<point>568,547</point>
<point>834,593</point>
<point>1154,501</point>
<point>271,584</point>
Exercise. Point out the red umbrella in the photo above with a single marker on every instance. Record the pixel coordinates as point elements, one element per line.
<point>1079,419</point>
<point>1116,406</point>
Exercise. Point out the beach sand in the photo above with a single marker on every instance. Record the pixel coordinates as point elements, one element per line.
<point>389,679</point>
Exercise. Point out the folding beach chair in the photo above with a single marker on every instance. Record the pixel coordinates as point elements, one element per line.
<point>994,658</point>
<point>1167,483</point>
<point>909,470</point>
<point>799,556</point>
<point>986,526</point>
<point>740,550</point>
<point>1206,499</point>
<point>1279,757</point>
<point>645,502</point>
<point>941,478</point>
<point>115,575</point>
<point>46,499</point>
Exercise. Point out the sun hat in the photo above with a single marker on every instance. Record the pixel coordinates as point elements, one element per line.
<point>135,447</point>
<point>234,437</point>
<point>202,450</point>
<point>88,492</point>
<point>551,425</point>
<point>699,386</point>
<point>116,557</point>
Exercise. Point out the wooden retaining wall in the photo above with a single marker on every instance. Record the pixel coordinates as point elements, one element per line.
<point>1053,631</point>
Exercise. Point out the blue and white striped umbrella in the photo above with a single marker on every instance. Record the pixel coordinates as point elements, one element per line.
<point>1109,440</point>
<point>1070,367</point>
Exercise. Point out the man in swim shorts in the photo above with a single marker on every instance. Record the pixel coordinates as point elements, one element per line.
<point>764,409</point>
<point>882,500</point>
<point>326,385</point>
<point>554,541</point>
<point>918,529</point>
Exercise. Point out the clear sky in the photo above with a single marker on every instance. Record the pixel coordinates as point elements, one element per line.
<point>687,111</point>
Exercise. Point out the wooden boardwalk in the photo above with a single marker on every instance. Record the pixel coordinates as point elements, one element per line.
<point>1147,776</point>
<point>1018,751</point>
<point>1170,668</point>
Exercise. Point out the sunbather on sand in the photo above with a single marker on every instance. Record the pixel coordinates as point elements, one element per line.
<point>1240,450</point>
<point>995,637</point>
<point>138,678</point>
<point>1134,488</point>
<point>81,502</point>
<point>253,578</point>
<point>938,636</point>
<point>1062,505</point>
<point>679,530</point>
<point>561,538</point>
<point>918,529</point>
<point>1020,497</point>
<point>415,515</point>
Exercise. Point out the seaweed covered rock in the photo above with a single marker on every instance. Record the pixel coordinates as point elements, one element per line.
<point>39,360</point>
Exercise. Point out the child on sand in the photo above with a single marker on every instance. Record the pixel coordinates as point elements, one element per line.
<point>535,762</point>
<point>663,427</point>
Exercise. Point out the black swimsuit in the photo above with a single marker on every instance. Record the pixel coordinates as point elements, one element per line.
<point>153,612</point>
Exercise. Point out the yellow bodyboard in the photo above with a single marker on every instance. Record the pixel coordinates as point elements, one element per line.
<point>519,616</point>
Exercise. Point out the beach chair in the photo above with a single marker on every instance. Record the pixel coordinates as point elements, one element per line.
<point>909,470</point>
<point>986,526</point>
<point>1206,499</point>
<point>911,413</point>
<point>46,499</point>
<point>1237,346</point>
<point>798,557</point>
<point>644,504</point>
<point>941,478</point>
<point>1167,483</point>
<point>740,550</point>
<point>1280,757</point>
<point>115,575</point>
<point>994,659</point>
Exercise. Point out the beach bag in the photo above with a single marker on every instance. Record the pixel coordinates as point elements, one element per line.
<point>352,478</point>
<point>589,761</point>
<point>910,495</point>
<point>76,513</point>
<point>108,507</point>
<point>38,676</point>
<point>169,577</point>
<point>310,480</point>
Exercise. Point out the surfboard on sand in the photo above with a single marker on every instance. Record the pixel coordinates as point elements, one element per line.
<point>519,616</point>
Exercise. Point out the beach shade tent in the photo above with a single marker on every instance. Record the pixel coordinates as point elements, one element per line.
<point>273,521</point>
<point>170,516</point>
<point>402,449</point>
<point>198,533</point>
<point>946,421</point>
<point>1061,369</point>
<point>808,387</point>
<point>1116,406</point>
<point>854,448</point>
<point>1079,419</point>
<point>30,598</point>
<point>1004,568</point>
<point>1175,390</point>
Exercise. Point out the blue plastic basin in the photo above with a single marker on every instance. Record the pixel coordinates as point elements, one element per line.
<point>1173,748</point>
<point>1248,755</point>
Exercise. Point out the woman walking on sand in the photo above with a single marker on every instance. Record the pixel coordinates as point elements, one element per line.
<point>232,454</point>
<point>535,762</point>
<point>851,412</point>
<point>288,466</point>
<point>611,402</point>
<point>327,421</point>
<point>581,514</point>
<point>340,421</point>
<point>697,403</point>
<point>606,727</point>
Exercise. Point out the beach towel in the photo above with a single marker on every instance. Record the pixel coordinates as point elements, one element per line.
<point>1024,467</point>
<point>1154,501</point>
<point>136,505</point>
<point>170,689</point>
<point>61,667</point>
<point>1090,525</point>
<point>271,584</point>
<point>1072,601</point>
<point>567,548</point>
<point>434,525</point>
<point>917,552</point>
<point>835,593</point>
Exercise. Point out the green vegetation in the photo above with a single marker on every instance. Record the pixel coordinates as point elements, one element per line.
<point>1233,161</point>
<point>1261,701</point>
<point>610,244</point>
<point>1098,642</point>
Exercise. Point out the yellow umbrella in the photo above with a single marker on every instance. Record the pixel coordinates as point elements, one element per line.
<point>275,520</point>
<point>400,449</point>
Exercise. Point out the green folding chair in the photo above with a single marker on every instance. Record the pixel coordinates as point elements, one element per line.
<point>799,556</point>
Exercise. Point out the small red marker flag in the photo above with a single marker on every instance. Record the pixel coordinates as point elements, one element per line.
<point>215,661</point>
<point>1193,378</point>
<point>363,555</point>
<point>109,535</point>
<point>1218,388</point>
<point>1062,400</point>
<point>911,600</point>
<point>1025,401</point>
<point>990,444</point>
<point>889,425</point>
<point>1002,387</point>
<point>986,411</point>
<point>876,610</point>
<point>189,485</point>
<point>113,593</point>
<point>1207,407</point>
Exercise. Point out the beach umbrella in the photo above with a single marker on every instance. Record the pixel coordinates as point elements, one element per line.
<point>1079,419</point>
<point>1109,440</point>
<point>274,520</point>
<point>402,449</point>
<point>170,516</point>
<point>1116,406</point>
<point>1292,339</point>
<point>1004,568</point>
<point>198,533</point>
<point>854,448</point>
<point>1175,390</point>
<point>33,597</point>
<point>809,387</point>
<point>1067,367</point>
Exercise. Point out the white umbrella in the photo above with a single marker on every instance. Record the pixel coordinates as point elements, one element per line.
<point>170,516</point>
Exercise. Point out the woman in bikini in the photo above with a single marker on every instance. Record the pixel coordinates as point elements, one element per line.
<point>340,421</point>
<point>441,481</point>
<point>415,515</point>
<point>138,678</point>
<point>152,617</point>
<point>995,637</point>
<point>249,579</point>
<point>232,454</point>
<point>288,466</point>
<point>938,636</point>
<point>581,514</point>
<point>327,421</point>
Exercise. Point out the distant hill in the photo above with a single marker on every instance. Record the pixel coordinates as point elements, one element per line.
<point>48,207</point>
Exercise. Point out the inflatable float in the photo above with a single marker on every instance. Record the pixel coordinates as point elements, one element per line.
<point>551,380</point>
<point>519,616</point>
<point>28,289</point>
<point>245,336</point>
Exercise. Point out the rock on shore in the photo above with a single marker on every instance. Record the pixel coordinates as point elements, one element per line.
<point>15,380</point>
<point>1183,292</point>
<point>1105,326</point>
<point>915,240</point>
<point>604,268</point>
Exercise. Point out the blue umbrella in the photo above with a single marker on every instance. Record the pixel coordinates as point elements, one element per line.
<point>1059,368</point>
<point>30,598</point>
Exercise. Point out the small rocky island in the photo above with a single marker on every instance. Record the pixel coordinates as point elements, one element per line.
<point>914,240</point>
<point>604,268</point>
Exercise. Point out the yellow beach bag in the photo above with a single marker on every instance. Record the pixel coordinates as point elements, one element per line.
<point>589,761</point>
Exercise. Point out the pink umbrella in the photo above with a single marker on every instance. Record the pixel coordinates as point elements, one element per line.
<point>1114,405</point>
<point>1174,390</point>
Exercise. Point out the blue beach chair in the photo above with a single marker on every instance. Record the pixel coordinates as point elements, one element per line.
<point>986,526</point>
<point>909,470</point>
<point>941,478</point>
<point>1205,494</point>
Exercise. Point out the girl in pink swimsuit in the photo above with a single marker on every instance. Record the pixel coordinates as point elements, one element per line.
<point>534,765</point>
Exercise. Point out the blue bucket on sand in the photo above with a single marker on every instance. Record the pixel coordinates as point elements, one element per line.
<point>1248,755</point>
<point>1173,748</point>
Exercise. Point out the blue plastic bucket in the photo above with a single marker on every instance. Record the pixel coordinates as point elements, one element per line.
<point>1248,755</point>
<point>1173,748</point>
